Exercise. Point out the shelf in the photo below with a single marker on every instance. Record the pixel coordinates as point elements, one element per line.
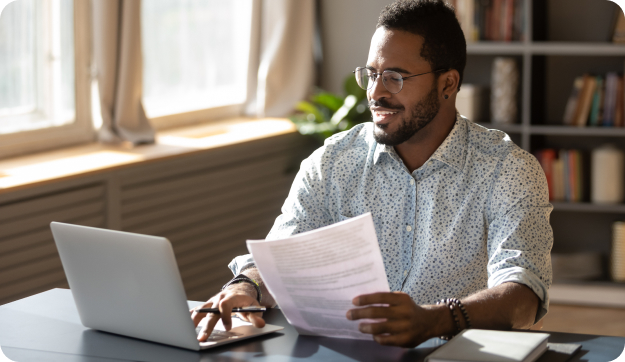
<point>493,47</point>
<point>546,48</point>
<point>578,131</point>
<point>583,49</point>
<point>589,207</point>
<point>508,128</point>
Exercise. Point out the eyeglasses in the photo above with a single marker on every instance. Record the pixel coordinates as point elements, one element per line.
<point>393,81</point>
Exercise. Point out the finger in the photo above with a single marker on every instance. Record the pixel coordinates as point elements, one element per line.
<point>400,340</point>
<point>395,298</point>
<point>256,319</point>
<point>394,328</point>
<point>197,317</point>
<point>208,328</point>
<point>225,311</point>
<point>371,313</point>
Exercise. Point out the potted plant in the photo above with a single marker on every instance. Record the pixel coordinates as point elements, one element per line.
<point>326,113</point>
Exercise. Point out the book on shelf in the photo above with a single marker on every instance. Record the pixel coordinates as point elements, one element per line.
<point>596,110</point>
<point>571,104</point>
<point>584,100</point>
<point>494,20</point>
<point>618,32</point>
<point>563,171</point>
<point>596,100</point>
<point>618,108</point>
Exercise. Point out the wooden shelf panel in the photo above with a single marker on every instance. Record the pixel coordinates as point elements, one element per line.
<point>495,48</point>
<point>546,48</point>
<point>508,128</point>
<point>589,207</point>
<point>573,48</point>
<point>577,131</point>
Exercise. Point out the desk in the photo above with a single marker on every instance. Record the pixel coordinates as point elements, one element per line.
<point>46,327</point>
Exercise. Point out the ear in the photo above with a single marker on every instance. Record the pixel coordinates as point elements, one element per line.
<point>448,83</point>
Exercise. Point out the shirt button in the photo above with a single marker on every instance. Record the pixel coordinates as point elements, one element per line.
<point>405,272</point>
<point>408,228</point>
<point>412,181</point>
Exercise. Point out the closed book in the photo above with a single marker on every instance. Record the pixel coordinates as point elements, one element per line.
<point>546,158</point>
<point>566,185</point>
<point>482,345</point>
<point>571,104</point>
<point>466,17</point>
<point>585,98</point>
<point>509,20</point>
<point>558,180</point>
<point>618,108</point>
<point>609,99</point>
<point>572,175</point>
<point>618,34</point>
<point>595,109</point>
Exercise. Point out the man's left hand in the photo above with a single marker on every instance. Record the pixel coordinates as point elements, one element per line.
<point>404,324</point>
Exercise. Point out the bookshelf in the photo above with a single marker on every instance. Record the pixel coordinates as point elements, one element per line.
<point>562,39</point>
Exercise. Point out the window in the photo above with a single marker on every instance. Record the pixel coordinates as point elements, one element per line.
<point>195,57</point>
<point>38,82</point>
<point>36,71</point>
<point>39,106</point>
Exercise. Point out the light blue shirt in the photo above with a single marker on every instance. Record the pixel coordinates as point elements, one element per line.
<point>474,216</point>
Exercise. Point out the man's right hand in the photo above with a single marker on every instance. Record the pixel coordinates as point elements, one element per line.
<point>235,296</point>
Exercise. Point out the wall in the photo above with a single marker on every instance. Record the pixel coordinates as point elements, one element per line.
<point>346,30</point>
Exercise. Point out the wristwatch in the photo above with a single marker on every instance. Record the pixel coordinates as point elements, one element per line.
<point>242,278</point>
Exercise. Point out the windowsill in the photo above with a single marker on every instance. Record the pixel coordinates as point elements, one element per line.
<point>45,167</point>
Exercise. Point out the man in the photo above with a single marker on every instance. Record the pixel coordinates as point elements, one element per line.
<point>459,210</point>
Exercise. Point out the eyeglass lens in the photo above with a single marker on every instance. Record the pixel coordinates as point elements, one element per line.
<point>392,80</point>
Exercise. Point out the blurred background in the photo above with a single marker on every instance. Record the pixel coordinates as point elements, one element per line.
<point>188,119</point>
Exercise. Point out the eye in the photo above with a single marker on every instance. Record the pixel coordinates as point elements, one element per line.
<point>393,77</point>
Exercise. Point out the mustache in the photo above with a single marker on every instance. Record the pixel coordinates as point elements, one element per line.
<point>382,102</point>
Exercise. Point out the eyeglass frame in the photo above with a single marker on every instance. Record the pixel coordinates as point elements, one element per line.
<point>377,75</point>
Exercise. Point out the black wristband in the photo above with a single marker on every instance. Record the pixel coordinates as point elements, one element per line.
<point>242,278</point>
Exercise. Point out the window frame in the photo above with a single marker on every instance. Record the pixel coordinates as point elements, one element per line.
<point>226,111</point>
<point>81,130</point>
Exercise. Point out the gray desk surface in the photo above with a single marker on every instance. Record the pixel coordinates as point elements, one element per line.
<point>46,327</point>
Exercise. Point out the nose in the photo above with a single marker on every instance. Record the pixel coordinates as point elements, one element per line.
<point>378,90</point>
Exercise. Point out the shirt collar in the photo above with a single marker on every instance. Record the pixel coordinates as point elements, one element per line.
<point>382,149</point>
<point>452,151</point>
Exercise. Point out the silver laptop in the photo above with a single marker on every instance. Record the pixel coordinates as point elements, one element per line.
<point>129,284</point>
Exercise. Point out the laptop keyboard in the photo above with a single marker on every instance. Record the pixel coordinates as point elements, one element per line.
<point>219,335</point>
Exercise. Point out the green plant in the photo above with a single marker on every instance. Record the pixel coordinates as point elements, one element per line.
<point>326,113</point>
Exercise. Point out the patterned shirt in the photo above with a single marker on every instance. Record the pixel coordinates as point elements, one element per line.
<point>474,216</point>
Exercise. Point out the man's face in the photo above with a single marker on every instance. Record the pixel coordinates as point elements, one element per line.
<point>398,117</point>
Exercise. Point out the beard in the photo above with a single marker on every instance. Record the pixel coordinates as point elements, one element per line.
<point>420,116</point>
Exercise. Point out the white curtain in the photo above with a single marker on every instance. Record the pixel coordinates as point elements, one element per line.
<point>117,56</point>
<point>281,63</point>
<point>285,56</point>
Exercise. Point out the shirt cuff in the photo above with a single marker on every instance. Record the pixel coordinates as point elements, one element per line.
<point>525,277</point>
<point>240,263</point>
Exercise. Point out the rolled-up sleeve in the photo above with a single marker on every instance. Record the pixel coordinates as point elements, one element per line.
<point>519,234</point>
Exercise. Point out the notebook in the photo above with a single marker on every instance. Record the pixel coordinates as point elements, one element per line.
<point>481,345</point>
<point>129,284</point>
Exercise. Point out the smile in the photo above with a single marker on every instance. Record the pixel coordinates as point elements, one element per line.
<point>381,117</point>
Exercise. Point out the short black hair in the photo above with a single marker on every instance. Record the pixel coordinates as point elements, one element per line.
<point>444,45</point>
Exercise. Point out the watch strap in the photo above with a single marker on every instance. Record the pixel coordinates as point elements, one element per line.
<point>242,278</point>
